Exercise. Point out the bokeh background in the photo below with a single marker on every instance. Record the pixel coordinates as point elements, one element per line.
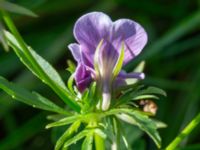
<point>172,62</point>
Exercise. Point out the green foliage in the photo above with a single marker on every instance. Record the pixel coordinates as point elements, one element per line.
<point>144,123</point>
<point>42,69</point>
<point>3,38</point>
<point>73,128</point>
<point>172,60</point>
<point>76,138</point>
<point>139,93</point>
<point>63,121</point>
<point>34,99</point>
<point>87,143</point>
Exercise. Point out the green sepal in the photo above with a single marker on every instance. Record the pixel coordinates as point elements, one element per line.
<point>96,58</point>
<point>71,66</point>
<point>119,63</point>
<point>90,98</point>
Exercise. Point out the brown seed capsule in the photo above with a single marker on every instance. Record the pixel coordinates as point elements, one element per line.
<point>149,106</point>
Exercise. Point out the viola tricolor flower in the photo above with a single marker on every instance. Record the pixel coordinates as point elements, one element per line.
<point>103,48</point>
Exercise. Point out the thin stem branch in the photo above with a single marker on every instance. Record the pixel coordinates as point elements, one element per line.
<point>185,132</point>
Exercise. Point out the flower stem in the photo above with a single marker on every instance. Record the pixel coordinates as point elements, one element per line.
<point>99,142</point>
<point>186,131</point>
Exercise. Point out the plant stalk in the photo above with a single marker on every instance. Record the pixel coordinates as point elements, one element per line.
<point>185,132</point>
<point>99,142</point>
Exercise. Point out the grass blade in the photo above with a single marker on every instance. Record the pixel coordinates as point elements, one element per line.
<point>10,7</point>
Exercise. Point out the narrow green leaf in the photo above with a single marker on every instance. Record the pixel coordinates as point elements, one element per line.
<point>73,128</point>
<point>143,122</point>
<point>138,118</point>
<point>76,138</point>
<point>90,98</point>
<point>31,60</point>
<point>159,124</point>
<point>34,99</point>
<point>87,143</point>
<point>3,38</point>
<point>85,96</point>
<point>154,90</point>
<point>119,62</point>
<point>63,121</point>
<point>49,103</point>
<point>44,71</point>
<point>145,97</point>
<point>140,92</point>
<point>56,117</point>
<point>7,6</point>
<point>116,142</point>
<point>121,131</point>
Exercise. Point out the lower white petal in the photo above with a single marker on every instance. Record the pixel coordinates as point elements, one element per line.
<point>106,101</point>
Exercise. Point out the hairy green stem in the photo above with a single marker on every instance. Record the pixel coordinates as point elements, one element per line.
<point>99,142</point>
<point>185,132</point>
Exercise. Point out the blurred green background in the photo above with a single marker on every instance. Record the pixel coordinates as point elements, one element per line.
<point>172,62</point>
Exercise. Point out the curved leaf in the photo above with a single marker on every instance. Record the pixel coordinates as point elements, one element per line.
<point>43,70</point>
<point>76,138</point>
<point>34,99</point>
<point>63,121</point>
<point>73,128</point>
<point>143,122</point>
<point>87,143</point>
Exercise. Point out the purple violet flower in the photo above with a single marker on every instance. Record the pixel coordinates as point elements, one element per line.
<point>102,44</point>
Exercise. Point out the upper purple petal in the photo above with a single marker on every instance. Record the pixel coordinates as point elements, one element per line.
<point>90,29</point>
<point>132,34</point>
